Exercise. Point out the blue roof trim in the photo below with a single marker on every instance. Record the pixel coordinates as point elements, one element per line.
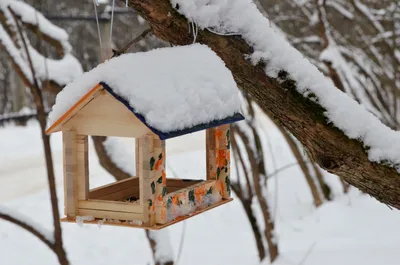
<point>163,136</point>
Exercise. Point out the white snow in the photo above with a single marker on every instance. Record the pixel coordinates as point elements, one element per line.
<point>354,229</point>
<point>164,251</point>
<point>46,233</point>
<point>122,152</point>
<point>31,16</point>
<point>243,17</point>
<point>173,88</point>
<point>61,71</point>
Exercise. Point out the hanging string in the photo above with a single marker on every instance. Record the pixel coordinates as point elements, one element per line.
<point>95,3</point>
<point>111,30</point>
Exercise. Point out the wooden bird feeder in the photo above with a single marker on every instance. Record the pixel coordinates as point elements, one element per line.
<point>149,199</point>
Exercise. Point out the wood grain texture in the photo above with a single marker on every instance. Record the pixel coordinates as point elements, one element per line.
<point>70,173</point>
<point>210,154</point>
<point>106,116</point>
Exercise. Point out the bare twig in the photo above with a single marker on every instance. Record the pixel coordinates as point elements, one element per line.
<point>41,116</point>
<point>143,35</point>
<point>28,228</point>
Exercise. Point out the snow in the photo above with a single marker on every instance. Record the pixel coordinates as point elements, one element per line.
<point>243,17</point>
<point>47,234</point>
<point>173,88</point>
<point>353,229</point>
<point>164,250</point>
<point>29,15</point>
<point>61,71</point>
<point>122,152</point>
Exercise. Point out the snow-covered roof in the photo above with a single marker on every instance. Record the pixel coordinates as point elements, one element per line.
<point>172,90</point>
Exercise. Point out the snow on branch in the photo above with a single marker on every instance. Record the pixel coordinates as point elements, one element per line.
<point>60,71</point>
<point>243,18</point>
<point>31,16</point>
<point>28,224</point>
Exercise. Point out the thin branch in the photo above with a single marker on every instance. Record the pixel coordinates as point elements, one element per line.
<point>28,228</point>
<point>132,42</point>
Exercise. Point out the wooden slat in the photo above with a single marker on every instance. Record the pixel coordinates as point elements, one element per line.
<point>203,182</point>
<point>110,206</point>
<point>224,176</point>
<point>121,194</point>
<point>70,173</point>
<point>113,187</point>
<point>82,166</point>
<point>111,119</point>
<point>210,154</point>
<point>153,227</point>
<point>146,145</point>
<point>182,183</point>
<point>58,125</point>
<point>111,214</point>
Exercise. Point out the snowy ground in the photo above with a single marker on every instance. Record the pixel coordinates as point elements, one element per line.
<point>354,229</point>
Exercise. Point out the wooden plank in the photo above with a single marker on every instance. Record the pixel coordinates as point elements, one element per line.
<point>115,206</point>
<point>58,125</point>
<point>106,116</point>
<point>192,186</point>
<point>182,183</point>
<point>82,166</point>
<point>223,159</point>
<point>70,173</point>
<point>211,154</point>
<point>111,214</point>
<point>113,187</point>
<point>121,194</point>
<point>152,227</point>
<point>147,176</point>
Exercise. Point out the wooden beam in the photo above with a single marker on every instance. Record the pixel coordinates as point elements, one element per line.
<point>210,154</point>
<point>113,187</point>
<point>82,166</point>
<point>111,206</point>
<point>222,139</point>
<point>70,174</point>
<point>111,214</point>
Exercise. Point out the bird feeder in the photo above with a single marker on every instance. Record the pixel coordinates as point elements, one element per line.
<point>119,104</point>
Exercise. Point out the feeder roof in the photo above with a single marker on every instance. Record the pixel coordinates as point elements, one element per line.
<point>173,91</point>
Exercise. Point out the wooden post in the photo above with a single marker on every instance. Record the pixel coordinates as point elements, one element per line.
<point>82,167</point>
<point>146,177</point>
<point>222,142</point>
<point>211,154</point>
<point>160,180</point>
<point>70,174</point>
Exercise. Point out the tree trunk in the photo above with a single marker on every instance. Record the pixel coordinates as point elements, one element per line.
<point>303,118</point>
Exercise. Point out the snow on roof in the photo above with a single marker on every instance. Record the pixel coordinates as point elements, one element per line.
<point>243,17</point>
<point>171,88</point>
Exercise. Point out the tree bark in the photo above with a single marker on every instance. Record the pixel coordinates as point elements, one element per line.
<point>303,118</point>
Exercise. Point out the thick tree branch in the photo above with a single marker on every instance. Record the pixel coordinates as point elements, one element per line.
<point>305,119</point>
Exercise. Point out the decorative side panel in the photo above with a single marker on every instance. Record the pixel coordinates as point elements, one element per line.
<point>188,200</point>
<point>159,182</point>
<point>146,178</point>
<point>223,145</point>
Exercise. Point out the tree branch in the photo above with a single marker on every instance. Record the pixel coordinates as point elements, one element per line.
<point>304,118</point>
<point>28,228</point>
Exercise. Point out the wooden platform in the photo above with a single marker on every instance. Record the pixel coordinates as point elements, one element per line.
<point>155,227</point>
